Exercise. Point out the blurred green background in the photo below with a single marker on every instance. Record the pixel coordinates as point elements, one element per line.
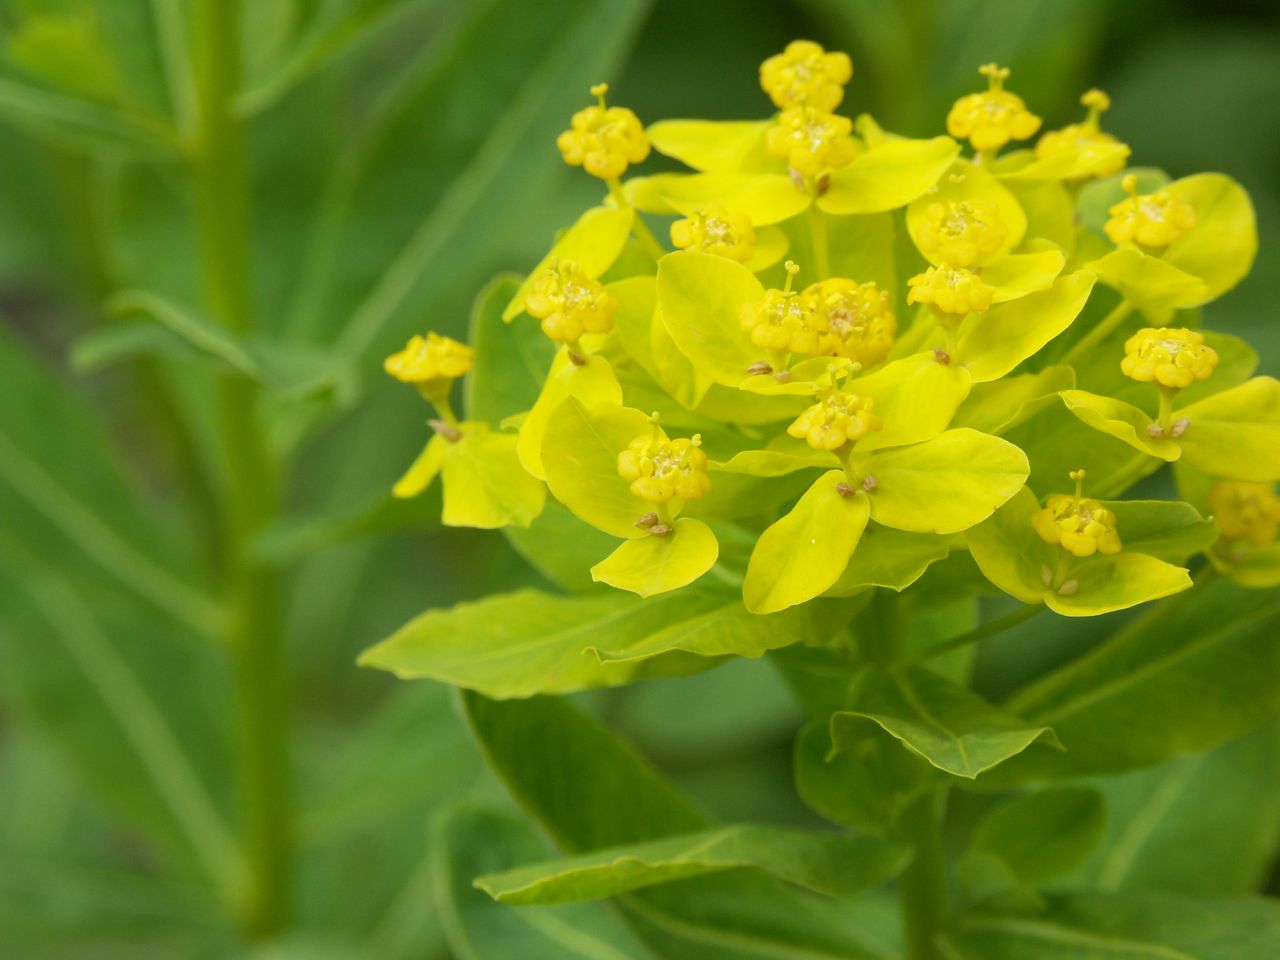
<point>402,153</point>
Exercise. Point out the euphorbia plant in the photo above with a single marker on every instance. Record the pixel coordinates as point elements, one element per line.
<point>855,396</point>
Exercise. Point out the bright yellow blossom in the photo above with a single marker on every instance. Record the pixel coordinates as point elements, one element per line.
<point>661,470</point>
<point>1151,220</point>
<point>955,291</point>
<point>1246,511</point>
<point>1172,357</point>
<point>1093,147</point>
<point>604,140</point>
<point>812,141</point>
<point>990,119</point>
<point>837,418</point>
<point>569,303</point>
<point>960,233</point>
<point>430,361</point>
<point>805,75</point>
<point>1081,526</point>
<point>844,318</point>
<point>713,229</point>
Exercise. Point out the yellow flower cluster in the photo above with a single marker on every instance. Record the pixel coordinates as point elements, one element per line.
<point>429,361</point>
<point>604,140</point>
<point>813,141</point>
<point>569,303</point>
<point>1086,140</point>
<point>1246,511</point>
<point>661,470</point>
<point>805,75</point>
<point>836,317</point>
<point>990,119</point>
<point>837,418</point>
<point>953,291</point>
<point>713,229</point>
<point>1172,357</point>
<point>960,233</point>
<point>1081,526</point>
<point>1151,220</point>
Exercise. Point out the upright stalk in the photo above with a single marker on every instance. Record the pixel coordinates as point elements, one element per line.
<point>253,632</point>
<point>922,889</point>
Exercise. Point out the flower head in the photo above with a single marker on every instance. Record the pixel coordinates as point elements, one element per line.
<point>844,318</point>
<point>954,291</point>
<point>1086,140</point>
<point>1081,526</point>
<point>1248,512</point>
<point>604,140</point>
<point>661,470</point>
<point>713,229</point>
<point>774,320</point>
<point>805,75</point>
<point>813,141</point>
<point>569,303</point>
<point>961,232</point>
<point>430,361</point>
<point>1150,220</point>
<point>990,119</point>
<point>1172,357</point>
<point>839,417</point>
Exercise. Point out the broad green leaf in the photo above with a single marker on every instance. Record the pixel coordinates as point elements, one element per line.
<point>1097,197</point>
<point>424,469</point>
<point>561,547</point>
<point>1235,433</point>
<point>771,246</point>
<point>1009,551</point>
<point>485,485</point>
<point>997,341</point>
<point>999,405</point>
<point>1165,529</point>
<point>915,399</point>
<point>1019,274</point>
<point>1045,834</point>
<point>591,384</point>
<point>634,321</point>
<point>943,485</point>
<point>701,299</point>
<point>1191,674</point>
<point>890,558</point>
<point>652,564</point>
<point>511,360</point>
<point>1050,211</point>
<point>964,181</point>
<point>801,555</point>
<point>951,727</point>
<point>776,463</point>
<point>1149,283</point>
<point>523,643</point>
<point>469,840</point>
<point>1105,584</point>
<point>717,146</point>
<point>888,175</point>
<point>764,198</point>
<point>1073,164</point>
<point>1221,247</point>
<point>593,243</point>
<point>1121,420</point>
<point>581,451</point>
<point>837,865</point>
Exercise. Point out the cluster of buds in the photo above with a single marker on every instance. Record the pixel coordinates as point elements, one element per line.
<point>807,83</point>
<point>1152,220</point>
<point>1079,525</point>
<point>430,363</point>
<point>604,140</point>
<point>839,417</point>
<point>992,118</point>
<point>951,291</point>
<point>1247,513</point>
<point>715,230</point>
<point>661,470</point>
<point>1173,358</point>
<point>569,303</point>
<point>1101,154</point>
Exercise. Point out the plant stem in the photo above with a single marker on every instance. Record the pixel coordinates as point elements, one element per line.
<point>254,634</point>
<point>922,890</point>
<point>639,229</point>
<point>999,625</point>
<point>1106,326</point>
<point>818,236</point>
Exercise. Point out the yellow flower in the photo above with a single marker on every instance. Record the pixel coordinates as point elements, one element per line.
<point>1172,357</point>
<point>1151,220</point>
<point>604,140</point>
<point>661,470</point>
<point>713,229</point>
<point>569,303</point>
<point>991,119</point>
<point>950,290</point>
<point>805,75</point>
<point>812,141</point>
<point>1086,141</point>
<point>961,232</point>
<point>844,318</point>
<point>837,418</point>
<point>1081,526</point>
<point>1246,511</point>
<point>430,361</point>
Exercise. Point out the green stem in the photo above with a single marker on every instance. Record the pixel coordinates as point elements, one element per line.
<point>639,229</point>
<point>922,889</point>
<point>1165,416</point>
<point>818,236</point>
<point>979,633</point>
<point>1104,329</point>
<point>254,635</point>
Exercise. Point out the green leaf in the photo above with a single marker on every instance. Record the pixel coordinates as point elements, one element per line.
<point>1121,420</point>
<point>888,175</point>
<point>997,341</point>
<point>840,866</point>
<point>801,555</point>
<point>561,547</point>
<point>424,469</point>
<point>522,643</point>
<point>1020,274</point>
<point>999,405</point>
<point>653,564</point>
<point>944,485</point>
<point>484,484</point>
<point>915,399</point>
<point>1149,283</point>
<point>890,558</point>
<point>765,198</point>
<point>511,360</point>
<point>701,299</point>
<point>1104,584</point>
<point>1221,247</point>
<point>1042,835</point>
<point>712,145</point>
<point>951,727</point>
<point>965,182</point>
<point>83,125</point>
<point>1010,553</point>
<point>592,383</point>
<point>1236,433</point>
<point>1166,529</point>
